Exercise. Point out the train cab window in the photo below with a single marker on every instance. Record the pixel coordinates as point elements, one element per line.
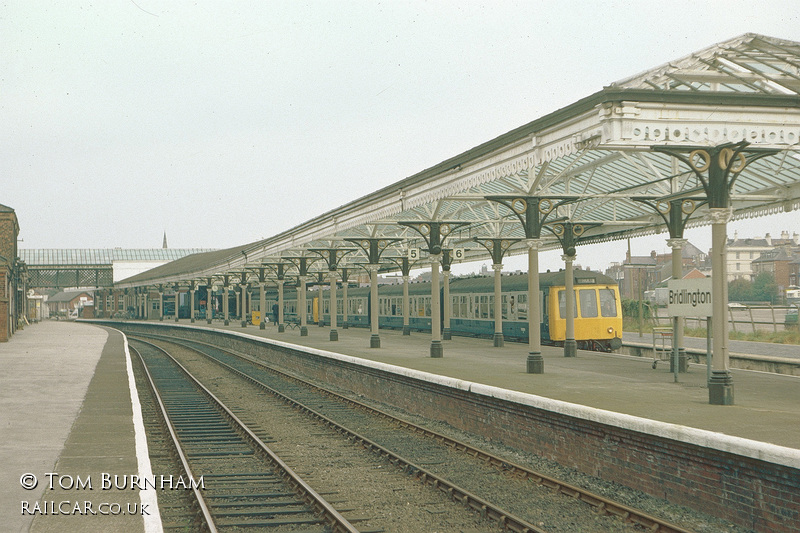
<point>608,302</point>
<point>588,298</point>
<point>562,304</point>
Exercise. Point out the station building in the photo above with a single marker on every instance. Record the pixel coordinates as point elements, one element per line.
<point>12,275</point>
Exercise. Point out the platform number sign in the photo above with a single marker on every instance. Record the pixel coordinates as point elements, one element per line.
<point>458,254</point>
<point>413,254</point>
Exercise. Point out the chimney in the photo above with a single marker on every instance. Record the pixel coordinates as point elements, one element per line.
<point>653,254</point>
<point>785,235</point>
<point>768,239</point>
<point>796,238</point>
<point>736,235</point>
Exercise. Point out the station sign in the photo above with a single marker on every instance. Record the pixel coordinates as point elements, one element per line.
<point>689,297</point>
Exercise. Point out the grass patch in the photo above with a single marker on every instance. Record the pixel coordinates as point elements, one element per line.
<point>780,337</point>
<point>790,336</point>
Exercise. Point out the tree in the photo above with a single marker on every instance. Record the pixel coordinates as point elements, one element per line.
<point>740,290</point>
<point>765,289</point>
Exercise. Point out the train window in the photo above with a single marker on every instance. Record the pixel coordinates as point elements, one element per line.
<point>356,306</point>
<point>608,302</point>
<point>522,306</point>
<point>562,304</point>
<point>483,306</point>
<point>588,299</point>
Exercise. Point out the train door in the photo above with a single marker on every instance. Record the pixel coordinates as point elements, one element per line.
<point>545,325</point>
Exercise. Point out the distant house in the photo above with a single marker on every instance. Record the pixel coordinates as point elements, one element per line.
<point>776,262</point>
<point>640,274</point>
<point>742,253</point>
<point>64,303</point>
<point>694,274</point>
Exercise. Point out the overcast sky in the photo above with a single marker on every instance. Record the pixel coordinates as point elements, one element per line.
<point>221,123</point>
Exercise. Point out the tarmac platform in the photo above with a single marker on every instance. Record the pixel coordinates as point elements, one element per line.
<point>67,416</point>
<point>66,405</point>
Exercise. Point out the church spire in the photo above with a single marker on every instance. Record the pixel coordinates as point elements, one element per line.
<point>165,240</point>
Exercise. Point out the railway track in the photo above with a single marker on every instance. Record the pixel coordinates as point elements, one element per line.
<point>435,459</point>
<point>235,479</point>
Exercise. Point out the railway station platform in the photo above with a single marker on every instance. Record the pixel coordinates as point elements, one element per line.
<point>766,406</point>
<point>67,418</point>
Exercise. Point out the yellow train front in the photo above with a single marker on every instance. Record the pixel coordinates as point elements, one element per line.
<point>597,310</point>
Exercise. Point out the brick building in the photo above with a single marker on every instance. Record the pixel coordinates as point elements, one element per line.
<point>743,255</point>
<point>12,299</point>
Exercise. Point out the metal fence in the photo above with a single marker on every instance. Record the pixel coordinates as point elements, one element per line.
<point>744,318</point>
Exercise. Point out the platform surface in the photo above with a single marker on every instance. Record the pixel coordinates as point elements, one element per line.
<point>66,414</point>
<point>766,406</point>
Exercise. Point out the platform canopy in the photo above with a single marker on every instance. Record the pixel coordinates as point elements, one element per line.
<point>612,164</point>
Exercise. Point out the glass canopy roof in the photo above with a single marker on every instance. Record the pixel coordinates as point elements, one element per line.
<point>609,162</point>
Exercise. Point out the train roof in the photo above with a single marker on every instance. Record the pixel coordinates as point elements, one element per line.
<point>519,282</point>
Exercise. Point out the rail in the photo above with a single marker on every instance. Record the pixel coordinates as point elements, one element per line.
<point>322,510</point>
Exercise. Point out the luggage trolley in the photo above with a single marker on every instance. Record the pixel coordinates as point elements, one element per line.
<point>662,344</point>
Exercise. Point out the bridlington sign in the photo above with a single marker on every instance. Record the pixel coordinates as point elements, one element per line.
<point>689,297</point>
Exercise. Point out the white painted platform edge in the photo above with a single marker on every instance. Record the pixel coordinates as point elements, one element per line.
<point>149,495</point>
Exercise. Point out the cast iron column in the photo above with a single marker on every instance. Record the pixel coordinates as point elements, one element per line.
<point>281,324</point>
<point>446,304</point>
<point>225,303</point>
<point>177,301</point>
<point>677,273</point>
<point>209,301</point>
<point>535,363</point>
<point>301,307</point>
<point>720,386</point>
<point>334,335</point>
<point>374,339</point>
<point>570,345</point>
<point>244,305</point>
<point>406,306</point>
<point>436,319</point>
<point>498,306</point>
<point>262,298</point>
<point>345,274</point>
